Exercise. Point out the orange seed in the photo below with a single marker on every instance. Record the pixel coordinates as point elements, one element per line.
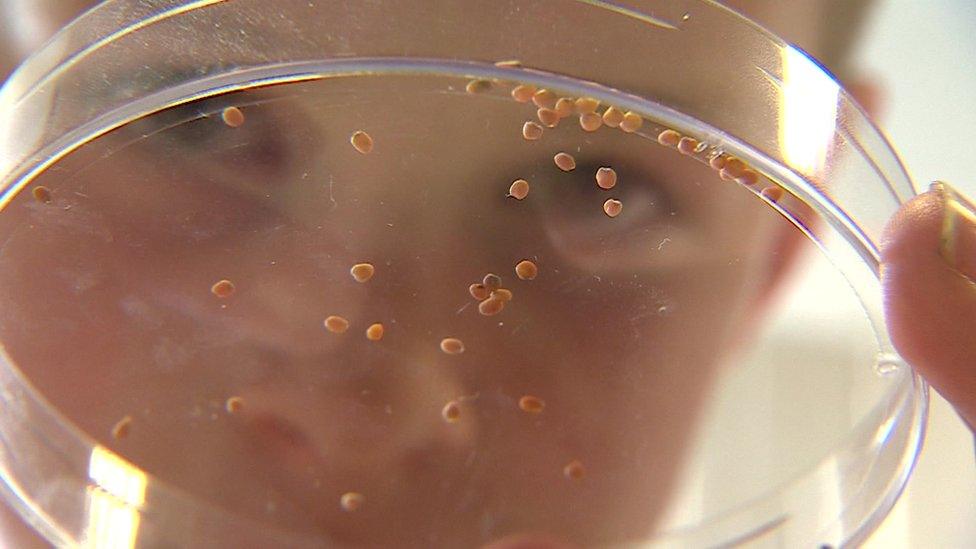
<point>631,122</point>
<point>574,470</point>
<point>232,116</point>
<point>491,306</point>
<point>531,404</point>
<point>223,288</point>
<point>526,270</point>
<point>478,291</point>
<point>669,138</point>
<point>362,142</point>
<point>564,161</point>
<point>351,501</point>
<point>612,207</point>
<point>548,117</point>
<point>452,346</point>
<point>565,107</point>
<point>606,178</point>
<point>41,194</point>
<point>586,104</point>
<point>590,121</point>
<point>374,332</point>
<point>362,272</point>
<point>478,86</point>
<point>519,189</point>
<point>544,98</point>
<point>523,93</point>
<point>336,324</point>
<point>687,145</point>
<point>234,404</point>
<point>613,116</point>
<point>531,131</point>
<point>451,412</point>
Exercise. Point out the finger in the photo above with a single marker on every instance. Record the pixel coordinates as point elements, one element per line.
<point>928,275</point>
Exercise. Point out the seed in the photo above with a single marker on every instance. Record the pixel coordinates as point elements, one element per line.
<point>492,282</point>
<point>519,189</point>
<point>718,161</point>
<point>523,93</point>
<point>478,291</point>
<point>544,98</point>
<point>491,306</point>
<point>613,116</point>
<point>362,272</point>
<point>548,117</point>
<point>374,332</point>
<point>612,207</point>
<point>121,429</point>
<point>531,131</point>
<point>687,145</point>
<point>452,346</point>
<point>631,122</point>
<point>773,194</point>
<point>233,117</point>
<point>606,178</point>
<point>362,142</point>
<point>351,501</point>
<point>526,270</point>
<point>733,169</point>
<point>42,194</point>
<point>574,470</point>
<point>514,63</point>
<point>451,412</point>
<point>669,138</point>
<point>531,404</point>
<point>590,121</point>
<point>503,294</point>
<point>565,107</point>
<point>564,162</point>
<point>586,104</point>
<point>748,177</point>
<point>336,324</point>
<point>223,288</point>
<point>478,86</point>
<point>234,404</point>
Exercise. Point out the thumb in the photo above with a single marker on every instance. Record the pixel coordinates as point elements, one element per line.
<point>928,273</point>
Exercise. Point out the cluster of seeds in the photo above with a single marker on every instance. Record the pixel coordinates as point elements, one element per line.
<point>490,295</point>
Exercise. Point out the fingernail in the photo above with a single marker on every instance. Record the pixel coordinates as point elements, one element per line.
<point>957,241</point>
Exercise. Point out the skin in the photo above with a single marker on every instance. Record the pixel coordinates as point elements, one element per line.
<point>508,465</point>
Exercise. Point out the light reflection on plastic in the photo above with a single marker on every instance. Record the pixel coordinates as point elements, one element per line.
<point>808,110</point>
<point>117,492</point>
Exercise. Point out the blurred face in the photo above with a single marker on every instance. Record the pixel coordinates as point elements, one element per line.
<point>109,309</point>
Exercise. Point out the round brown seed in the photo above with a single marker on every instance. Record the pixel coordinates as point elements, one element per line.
<point>121,428</point>
<point>548,117</point>
<point>565,107</point>
<point>223,288</point>
<point>669,138</point>
<point>574,470</point>
<point>586,104</point>
<point>526,270</point>
<point>612,207</point>
<point>351,501</point>
<point>374,332</point>
<point>336,324</point>
<point>519,189</point>
<point>479,292</point>
<point>478,86</point>
<point>564,162</point>
<point>503,294</point>
<point>362,142</point>
<point>491,306</point>
<point>531,404</point>
<point>544,98</point>
<point>451,412</point>
<point>361,272</point>
<point>606,178</point>
<point>523,93</point>
<point>717,162</point>
<point>613,116</point>
<point>233,117</point>
<point>41,194</point>
<point>531,131</point>
<point>748,177</point>
<point>733,169</point>
<point>687,145</point>
<point>590,121</point>
<point>234,404</point>
<point>631,122</point>
<point>773,194</point>
<point>492,282</point>
<point>452,346</point>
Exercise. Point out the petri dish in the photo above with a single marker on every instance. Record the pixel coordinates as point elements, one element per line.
<point>269,280</point>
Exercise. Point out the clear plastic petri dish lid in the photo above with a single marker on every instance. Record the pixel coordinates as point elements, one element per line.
<point>360,274</point>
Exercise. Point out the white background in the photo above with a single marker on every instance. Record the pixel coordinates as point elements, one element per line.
<point>923,52</point>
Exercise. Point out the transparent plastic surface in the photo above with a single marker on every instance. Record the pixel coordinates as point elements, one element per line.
<point>191,349</point>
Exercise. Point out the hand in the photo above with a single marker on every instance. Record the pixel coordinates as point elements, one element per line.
<point>928,274</point>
